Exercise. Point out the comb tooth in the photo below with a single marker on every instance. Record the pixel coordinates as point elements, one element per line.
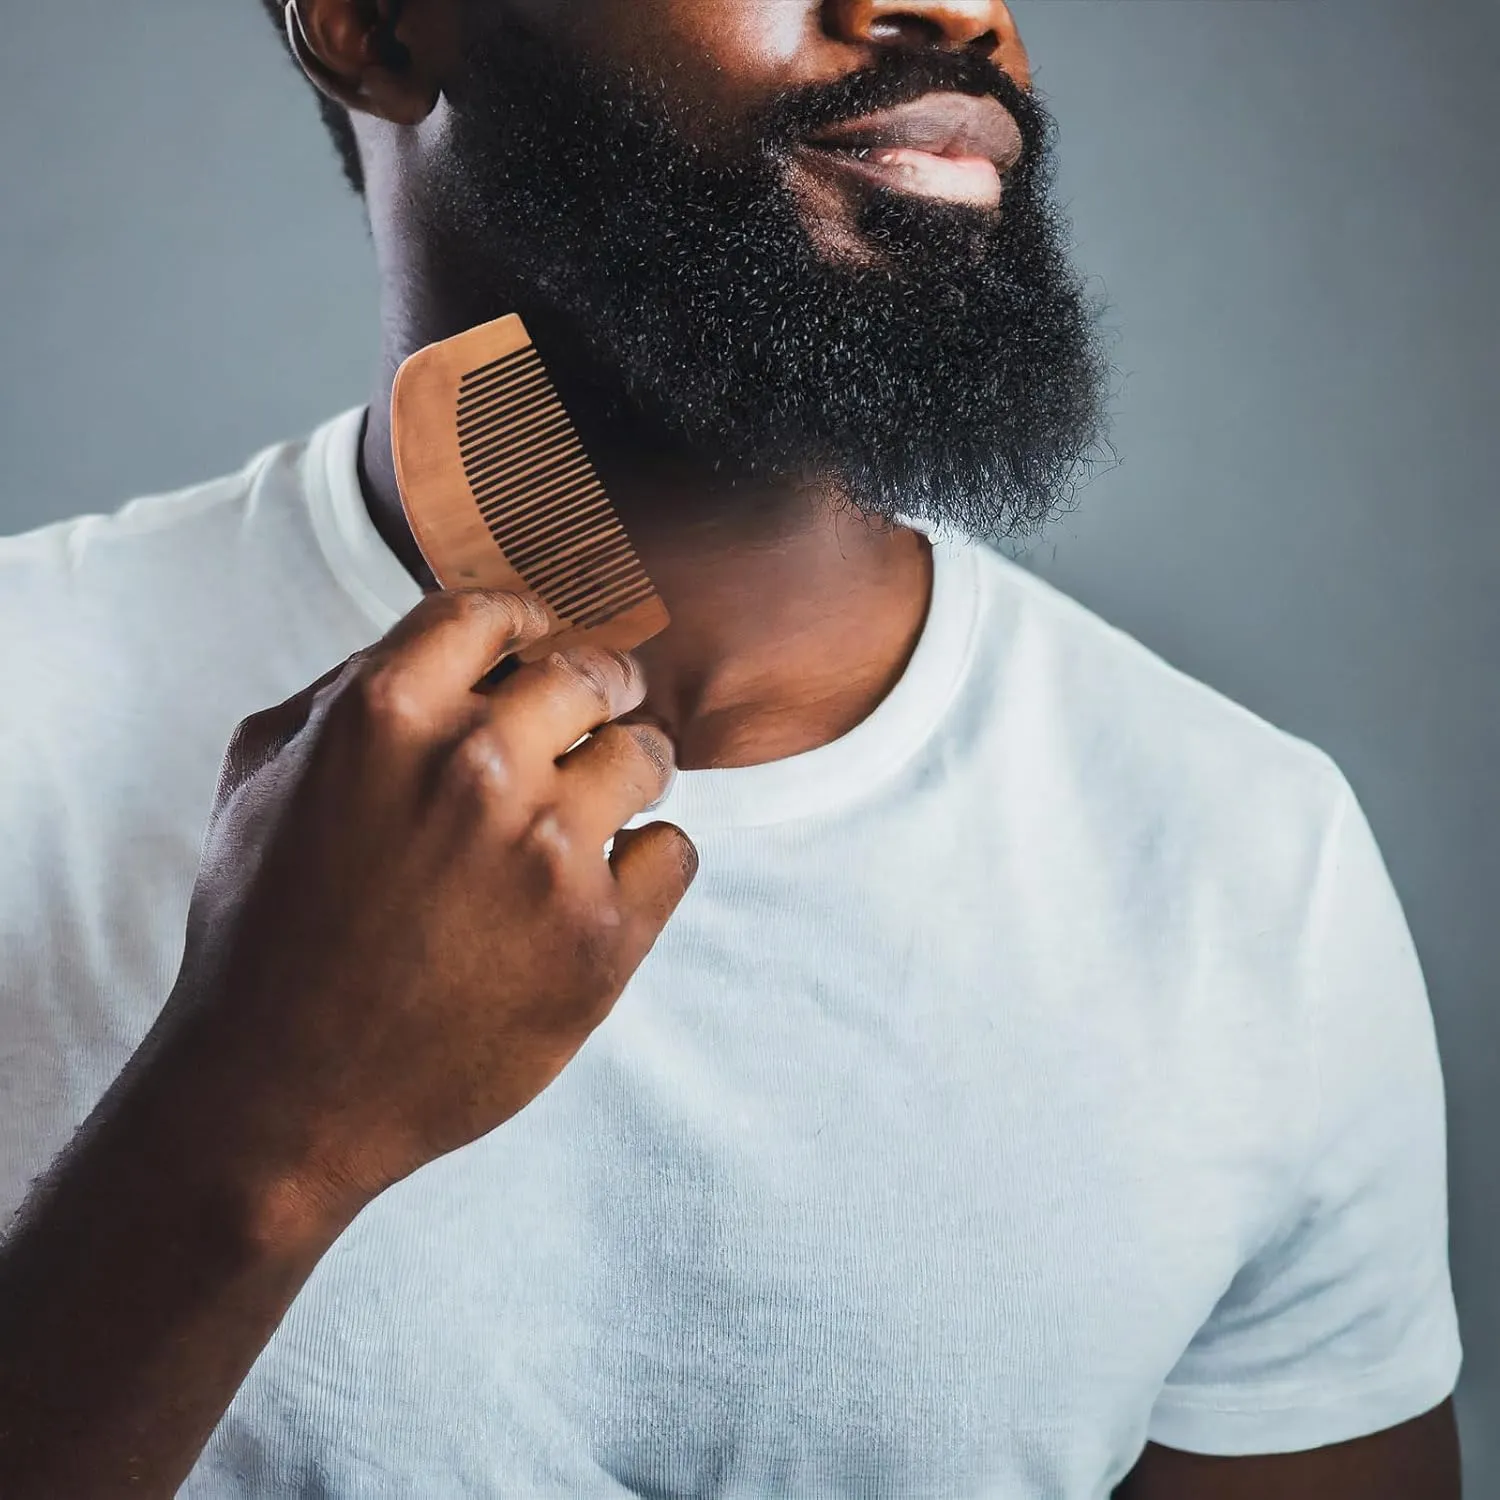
<point>515,387</point>
<point>617,605</point>
<point>523,470</point>
<point>480,371</point>
<point>571,580</point>
<point>515,368</point>
<point>547,452</point>
<point>497,409</point>
<point>497,404</point>
<point>596,554</point>
<point>531,392</point>
<point>522,408</point>
<point>513,512</point>
<point>529,544</point>
<point>505,414</point>
<point>498,370</point>
<point>531,548</point>
<point>519,515</point>
<point>525,480</point>
<point>557,484</point>
<point>512,377</point>
<point>604,578</point>
<point>509,427</point>
<point>512,442</point>
<point>605,603</point>
<point>512,438</point>
<point>525,518</point>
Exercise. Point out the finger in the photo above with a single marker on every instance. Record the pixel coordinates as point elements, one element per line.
<point>619,771</point>
<point>428,663</point>
<point>654,866</point>
<point>260,737</point>
<point>541,711</point>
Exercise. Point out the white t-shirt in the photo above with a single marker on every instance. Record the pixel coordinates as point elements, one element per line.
<point>1042,1067</point>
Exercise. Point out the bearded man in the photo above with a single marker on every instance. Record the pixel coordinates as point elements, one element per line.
<point>1009,1073</point>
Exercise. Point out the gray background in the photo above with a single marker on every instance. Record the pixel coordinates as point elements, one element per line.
<point>1292,208</point>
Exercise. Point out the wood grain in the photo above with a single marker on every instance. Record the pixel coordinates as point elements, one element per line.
<point>499,492</point>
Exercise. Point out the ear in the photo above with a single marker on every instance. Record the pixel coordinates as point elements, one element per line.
<point>365,55</point>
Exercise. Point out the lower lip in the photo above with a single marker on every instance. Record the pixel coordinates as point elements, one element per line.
<point>955,179</point>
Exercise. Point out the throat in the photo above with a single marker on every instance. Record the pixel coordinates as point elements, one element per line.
<point>805,686</point>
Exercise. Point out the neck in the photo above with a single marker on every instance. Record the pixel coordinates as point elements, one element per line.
<point>791,618</point>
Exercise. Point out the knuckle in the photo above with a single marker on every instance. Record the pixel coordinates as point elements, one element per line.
<point>480,765</point>
<point>547,847</point>
<point>251,730</point>
<point>598,943</point>
<point>257,738</point>
<point>385,699</point>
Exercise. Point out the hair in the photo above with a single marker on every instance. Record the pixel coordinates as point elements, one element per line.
<point>335,116</point>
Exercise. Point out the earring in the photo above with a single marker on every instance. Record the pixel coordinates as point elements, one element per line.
<point>313,65</point>
<point>396,59</point>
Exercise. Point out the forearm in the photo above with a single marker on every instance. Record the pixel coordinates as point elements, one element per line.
<point>142,1279</point>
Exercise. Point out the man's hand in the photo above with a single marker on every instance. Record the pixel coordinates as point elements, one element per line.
<point>403,928</point>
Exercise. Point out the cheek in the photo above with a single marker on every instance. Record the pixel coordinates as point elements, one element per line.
<point>721,55</point>
<point>764,41</point>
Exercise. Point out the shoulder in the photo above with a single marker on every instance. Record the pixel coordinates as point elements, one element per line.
<point>136,640</point>
<point>1140,707</point>
<point>63,582</point>
<point>76,572</point>
<point>1177,776</point>
<point>163,592</point>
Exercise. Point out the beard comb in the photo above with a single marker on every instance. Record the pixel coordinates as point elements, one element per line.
<point>500,494</point>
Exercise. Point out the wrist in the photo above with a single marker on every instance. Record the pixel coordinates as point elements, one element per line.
<point>217,1135</point>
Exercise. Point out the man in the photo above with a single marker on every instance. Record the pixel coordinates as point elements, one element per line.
<point>1035,1093</point>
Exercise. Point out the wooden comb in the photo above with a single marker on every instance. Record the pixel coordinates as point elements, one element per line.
<point>500,494</point>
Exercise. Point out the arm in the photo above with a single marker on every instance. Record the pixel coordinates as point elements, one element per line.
<point>142,1280</point>
<point>341,1019</point>
<point>1418,1458</point>
<point>1327,1367</point>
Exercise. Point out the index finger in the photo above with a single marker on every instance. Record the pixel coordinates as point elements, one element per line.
<point>437,653</point>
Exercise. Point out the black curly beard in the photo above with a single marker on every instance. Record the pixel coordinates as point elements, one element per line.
<point>960,380</point>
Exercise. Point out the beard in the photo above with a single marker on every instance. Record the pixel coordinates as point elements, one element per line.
<point>954,376</point>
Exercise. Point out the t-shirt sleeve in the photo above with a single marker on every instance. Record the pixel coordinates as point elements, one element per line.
<point>1343,1324</point>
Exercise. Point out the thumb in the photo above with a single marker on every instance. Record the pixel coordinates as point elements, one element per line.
<point>654,866</point>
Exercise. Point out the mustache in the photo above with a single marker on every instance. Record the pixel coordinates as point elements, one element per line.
<point>900,78</point>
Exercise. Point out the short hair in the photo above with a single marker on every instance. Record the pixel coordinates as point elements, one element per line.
<point>335,116</point>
